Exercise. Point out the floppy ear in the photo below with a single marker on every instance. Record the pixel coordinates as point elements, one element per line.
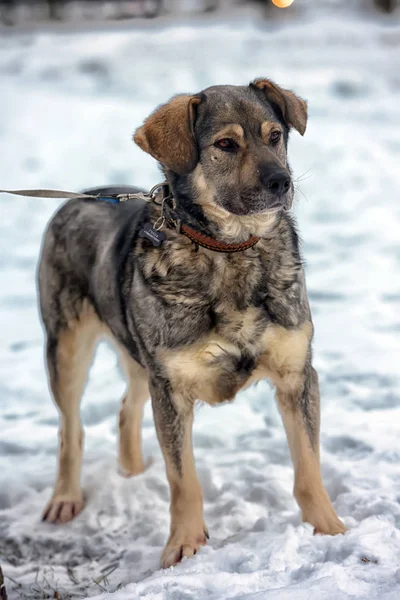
<point>294,109</point>
<point>167,134</point>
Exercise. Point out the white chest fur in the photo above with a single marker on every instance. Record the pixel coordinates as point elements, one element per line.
<point>241,351</point>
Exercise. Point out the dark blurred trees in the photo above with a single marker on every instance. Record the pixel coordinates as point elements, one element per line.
<point>30,11</point>
<point>17,11</point>
<point>386,5</point>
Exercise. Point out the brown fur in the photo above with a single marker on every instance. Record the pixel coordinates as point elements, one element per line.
<point>294,109</point>
<point>130,456</point>
<point>74,356</point>
<point>309,489</point>
<point>167,134</point>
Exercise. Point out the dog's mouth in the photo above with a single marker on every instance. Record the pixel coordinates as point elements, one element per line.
<point>253,201</point>
<point>264,203</point>
<point>284,203</point>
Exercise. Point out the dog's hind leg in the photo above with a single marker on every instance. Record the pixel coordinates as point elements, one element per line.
<point>130,417</point>
<point>300,410</point>
<point>69,355</point>
<point>174,418</point>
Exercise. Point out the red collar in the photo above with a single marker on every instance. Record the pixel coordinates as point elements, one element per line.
<point>208,242</point>
<point>201,239</point>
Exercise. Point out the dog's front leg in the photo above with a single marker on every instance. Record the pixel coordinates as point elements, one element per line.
<point>174,418</point>
<point>300,410</point>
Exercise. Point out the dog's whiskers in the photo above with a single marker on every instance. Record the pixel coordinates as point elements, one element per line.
<point>297,188</point>
<point>302,178</point>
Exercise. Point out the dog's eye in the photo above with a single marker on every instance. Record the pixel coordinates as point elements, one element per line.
<point>226,144</point>
<point>275,137</point>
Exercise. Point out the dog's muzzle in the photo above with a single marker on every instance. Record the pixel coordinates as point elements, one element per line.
<point>277,182</point>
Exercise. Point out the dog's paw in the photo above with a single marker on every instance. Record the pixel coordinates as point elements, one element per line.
<point>317,509</point>
<point>62,508</point>
<point>326,522</point>
<point>182,543</point>
<point>330,527</point>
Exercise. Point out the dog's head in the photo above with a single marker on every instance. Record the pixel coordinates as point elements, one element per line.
<point>228,145</point>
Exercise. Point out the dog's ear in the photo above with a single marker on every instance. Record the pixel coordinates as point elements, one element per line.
<point>294,109</point>
<point>168,134</point>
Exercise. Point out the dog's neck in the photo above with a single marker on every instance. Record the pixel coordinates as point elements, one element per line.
<point>201,212</point>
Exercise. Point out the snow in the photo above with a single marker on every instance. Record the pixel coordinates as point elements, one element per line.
<point>69,103</point>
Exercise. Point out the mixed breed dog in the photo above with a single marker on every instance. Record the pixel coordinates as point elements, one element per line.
<point>202,291</point>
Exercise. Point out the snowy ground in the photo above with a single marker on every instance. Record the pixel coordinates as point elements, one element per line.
<point>68,106</point>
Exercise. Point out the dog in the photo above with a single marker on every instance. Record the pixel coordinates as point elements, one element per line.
<point>202,291</point>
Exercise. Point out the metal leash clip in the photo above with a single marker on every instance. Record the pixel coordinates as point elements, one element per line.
<point>136,196</point>
<point>155,188</point>
<point>146,196</point>
<point>153,232</point>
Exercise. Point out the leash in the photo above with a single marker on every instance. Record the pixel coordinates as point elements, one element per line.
<point>112,198</point>
<point>150,232</point>
<point>46,194</point>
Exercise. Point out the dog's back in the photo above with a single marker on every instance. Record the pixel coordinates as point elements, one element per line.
<point>84,254</point>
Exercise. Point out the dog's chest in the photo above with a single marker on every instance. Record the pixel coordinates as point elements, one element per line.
<point>242,344</point>
<point>236,320</point>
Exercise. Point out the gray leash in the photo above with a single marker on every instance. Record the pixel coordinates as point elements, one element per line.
<point>148,231</point>
<point>148,197</point>
<point>47,194</point>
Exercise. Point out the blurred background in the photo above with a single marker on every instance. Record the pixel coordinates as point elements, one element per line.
<point>29,11</point>
<point>76,79</point>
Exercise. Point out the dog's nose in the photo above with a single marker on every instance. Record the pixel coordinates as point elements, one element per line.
<point>276,180</point>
